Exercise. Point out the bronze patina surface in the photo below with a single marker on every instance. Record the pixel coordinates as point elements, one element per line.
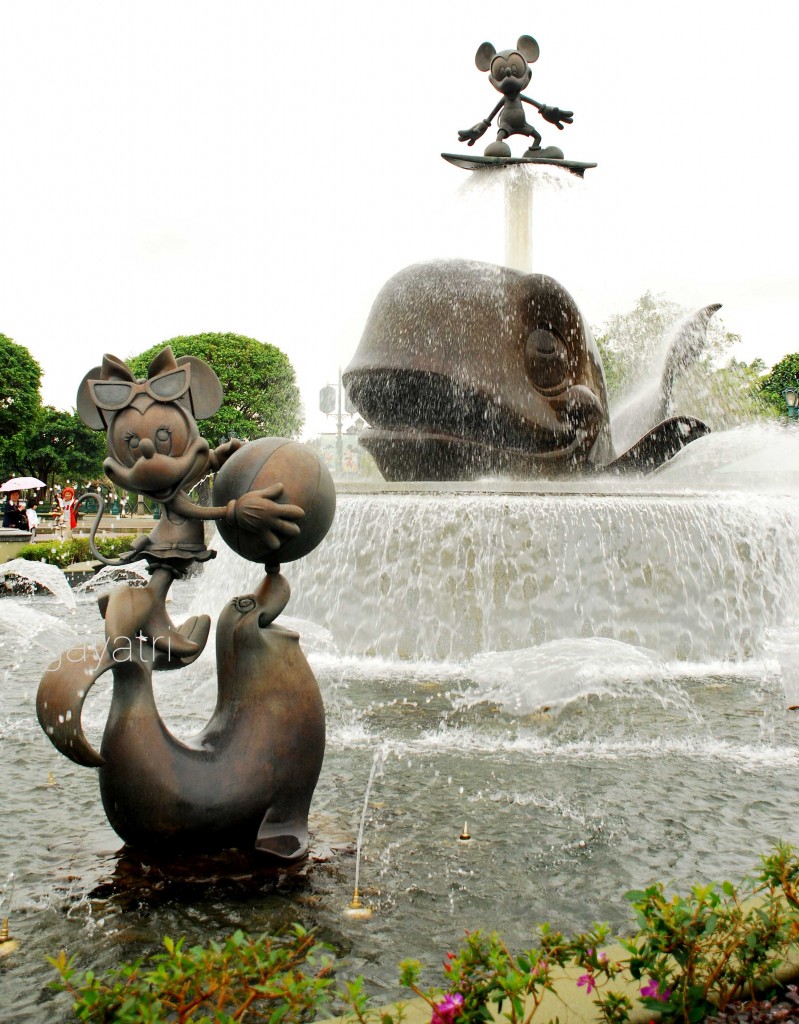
<point>248,778</point>
<point>468,369</point>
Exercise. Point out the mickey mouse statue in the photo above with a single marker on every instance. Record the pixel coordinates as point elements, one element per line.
<point>509,72</point>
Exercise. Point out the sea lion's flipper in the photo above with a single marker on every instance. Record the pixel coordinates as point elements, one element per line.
<point>173,650</point>
<point>286,840</point>
<point>60,700</point>
<point>659,445</point>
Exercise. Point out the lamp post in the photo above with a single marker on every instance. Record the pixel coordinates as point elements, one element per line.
<point>335,401</point>
<point>791,396</point>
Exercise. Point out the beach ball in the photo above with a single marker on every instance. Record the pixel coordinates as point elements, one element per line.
<point>306,482</point>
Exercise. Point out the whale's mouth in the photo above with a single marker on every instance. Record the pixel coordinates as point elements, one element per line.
<point>415,455</point>
<point>434,427</point>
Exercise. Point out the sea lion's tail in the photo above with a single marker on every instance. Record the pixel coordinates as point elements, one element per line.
<point>59,702</point>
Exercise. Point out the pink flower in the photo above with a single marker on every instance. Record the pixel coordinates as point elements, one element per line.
<point>589,981</point>
<point>448,1009</point>
<point>652,991</point>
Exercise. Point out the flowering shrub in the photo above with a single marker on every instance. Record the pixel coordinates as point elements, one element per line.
<point>691,957</point>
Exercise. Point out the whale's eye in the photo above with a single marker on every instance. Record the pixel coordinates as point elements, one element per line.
<point>244,604</point>
<point>546,358</point>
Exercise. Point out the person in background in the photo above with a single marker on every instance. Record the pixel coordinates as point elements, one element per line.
<point>33,519</point>
<point>13,516</point>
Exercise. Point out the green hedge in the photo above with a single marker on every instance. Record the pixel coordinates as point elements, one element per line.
<point>66,552</point>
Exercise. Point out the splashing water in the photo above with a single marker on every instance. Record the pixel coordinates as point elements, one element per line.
<point>377,767</point>
<point>29,575</point>
<point>594,675</point>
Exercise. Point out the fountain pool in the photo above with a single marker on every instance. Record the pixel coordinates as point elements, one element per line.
<point>594,678</point>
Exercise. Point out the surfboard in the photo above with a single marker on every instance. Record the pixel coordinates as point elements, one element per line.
<point>481,163</point>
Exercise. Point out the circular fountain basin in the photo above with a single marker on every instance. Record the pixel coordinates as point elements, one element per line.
<point>595,681</point>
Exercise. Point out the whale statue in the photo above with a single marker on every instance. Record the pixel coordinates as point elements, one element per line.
<point>467,369</point>
<point>246,780</point>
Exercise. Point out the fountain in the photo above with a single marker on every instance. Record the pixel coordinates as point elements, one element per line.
<point>588,672</point>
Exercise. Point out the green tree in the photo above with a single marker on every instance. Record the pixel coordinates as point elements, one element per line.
<point>628,342</point>
<point>20,379</point>
<point>785,374</point>
<point>258,380</point>
<point>55,445</point>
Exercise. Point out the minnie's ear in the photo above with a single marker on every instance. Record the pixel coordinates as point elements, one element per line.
<point>528,48</point>
<point>87,410</point>
<point>485,54</point>
<point>112,369</point>
<point>206,393</point>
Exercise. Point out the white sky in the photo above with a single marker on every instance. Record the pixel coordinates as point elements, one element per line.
<point>176,166</point>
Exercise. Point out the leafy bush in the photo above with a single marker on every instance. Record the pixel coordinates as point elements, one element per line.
<point>66,552</point>
<point>275,979</point>
<point>692,957</point>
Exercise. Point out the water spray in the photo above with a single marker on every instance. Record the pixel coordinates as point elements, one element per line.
<point>465,837</point>
<point>356,908</point>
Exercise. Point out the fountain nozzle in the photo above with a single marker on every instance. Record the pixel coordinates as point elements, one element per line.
<point>464,837</point>
<point>7,944</point>
<point>357,909</point>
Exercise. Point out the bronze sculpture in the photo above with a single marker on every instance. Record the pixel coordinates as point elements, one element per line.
<point>467,369</point>
<point>248,778</point>
<point>509,73</point>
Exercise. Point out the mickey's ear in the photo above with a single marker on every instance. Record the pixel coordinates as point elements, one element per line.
<point>528,48</point>
<point>87,410</point>
<point>205,393</point>
<point>485,54</point>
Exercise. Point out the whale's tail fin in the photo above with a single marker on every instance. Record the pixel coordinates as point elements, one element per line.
<point>286,840</point>
<point>659,445</point>
<point>650,402</point>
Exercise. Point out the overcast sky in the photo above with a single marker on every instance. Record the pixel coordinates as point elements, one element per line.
<point>177,166</point>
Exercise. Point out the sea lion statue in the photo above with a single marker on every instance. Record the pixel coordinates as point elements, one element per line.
<point>248,778</point>
<point>468,369</point>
